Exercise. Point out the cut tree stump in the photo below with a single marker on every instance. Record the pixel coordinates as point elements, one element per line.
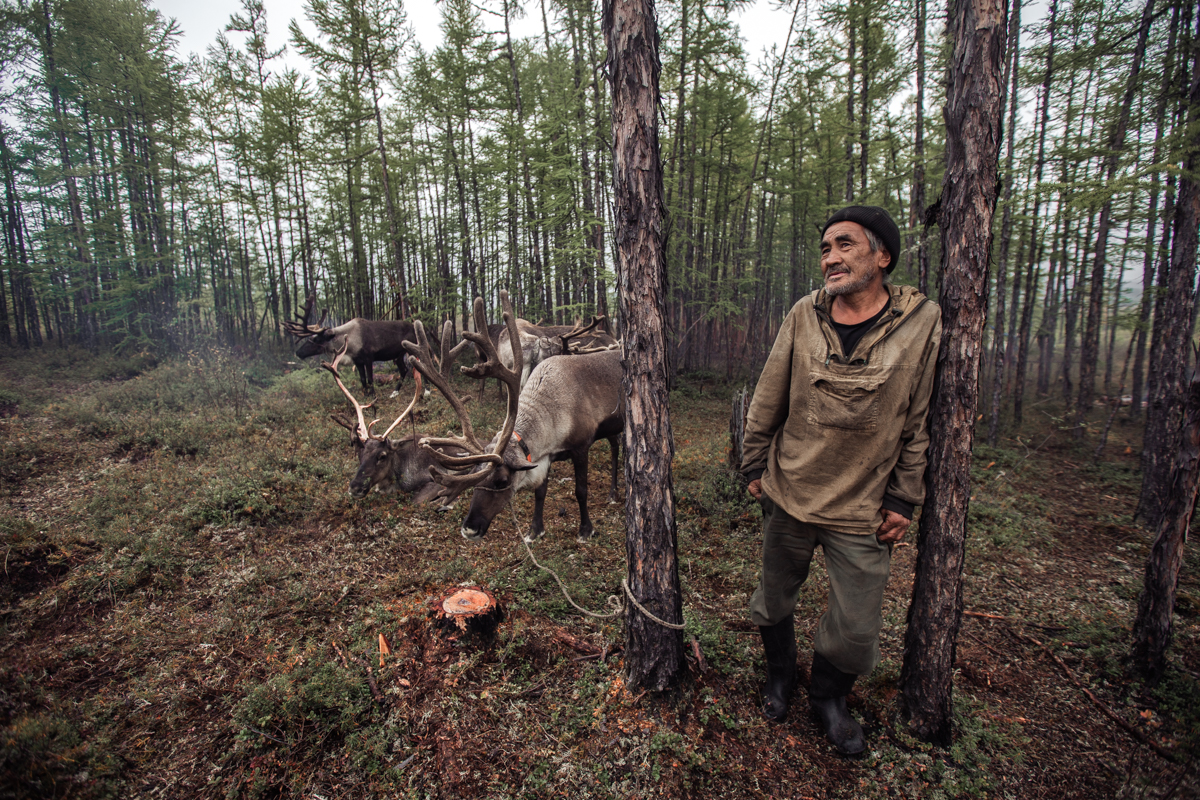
<point>467,612</point>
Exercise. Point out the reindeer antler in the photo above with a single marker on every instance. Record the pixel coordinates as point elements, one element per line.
<point>301,329</point>
<point>362,431</point>
<point>579,330</point>
<point>490,367</point>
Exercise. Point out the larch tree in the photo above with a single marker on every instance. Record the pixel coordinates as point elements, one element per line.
<point>1174,317</point>
<point>654,652</point>
<point>973,114</point>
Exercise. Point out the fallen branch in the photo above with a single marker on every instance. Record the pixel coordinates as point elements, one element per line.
<point>575,643</point>
<point>370,674</point>
<point>1108,712</point>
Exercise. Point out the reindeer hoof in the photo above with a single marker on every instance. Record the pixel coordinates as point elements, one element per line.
<point>533,536</point>
<point>585,535</point>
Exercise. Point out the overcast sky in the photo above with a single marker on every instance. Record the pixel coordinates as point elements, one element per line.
<point>201,20</point>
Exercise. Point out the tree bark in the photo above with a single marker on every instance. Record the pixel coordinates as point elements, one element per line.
<point>1175,320</point>
<point>654,654</point>
<point>974,109</point>
<point>1156,604</point>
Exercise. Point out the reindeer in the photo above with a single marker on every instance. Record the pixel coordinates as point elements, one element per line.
<point>387,465</point>
<point>567,404</point>
<point>539,342</point>
<point>364,341</point>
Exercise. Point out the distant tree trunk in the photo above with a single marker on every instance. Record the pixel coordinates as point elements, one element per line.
<point>83,255</point>
<point>974,111</point>
<point>1156,604</point>
<point>1033,268</point>
<point>523,149</point>
<point>998,345</point>
<point>1090,348</point>
<point>1114,316</point>
<point>1160,113</point>
<point>851,21</point>
<point>1175,320</point>
<point>916,218</point>
<point>654,654</point>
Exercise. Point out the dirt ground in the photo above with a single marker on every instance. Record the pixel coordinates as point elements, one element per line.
<point>192,606</point>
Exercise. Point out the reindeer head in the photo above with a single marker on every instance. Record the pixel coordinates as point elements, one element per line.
<point>382,463</point>
<point>311,340</point>
<point>483,464</point>
<point>493,494</point>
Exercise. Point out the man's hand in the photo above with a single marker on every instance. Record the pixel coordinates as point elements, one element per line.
<point>893,528</point>
<point>755,488</point>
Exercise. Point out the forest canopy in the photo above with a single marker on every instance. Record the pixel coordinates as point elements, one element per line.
<point>150,202</point>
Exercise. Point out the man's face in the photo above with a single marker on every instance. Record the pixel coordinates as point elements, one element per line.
<point>847,263</point>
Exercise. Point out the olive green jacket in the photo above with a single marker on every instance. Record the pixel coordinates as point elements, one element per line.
<point>836,432</point>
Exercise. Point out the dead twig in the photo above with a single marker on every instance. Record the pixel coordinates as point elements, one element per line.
<point>700,663</point>
<point>575,643</point>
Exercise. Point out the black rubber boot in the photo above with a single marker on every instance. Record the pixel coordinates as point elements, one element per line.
<point>827,696</point>
<point>779,642</point>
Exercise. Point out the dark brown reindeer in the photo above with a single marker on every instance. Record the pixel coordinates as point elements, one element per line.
<point>539,342</point>
<point>364,341</point>
<point>567,404</point>
<point>388,465</point>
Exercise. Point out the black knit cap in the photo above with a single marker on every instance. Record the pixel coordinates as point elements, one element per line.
<point>875,219</point>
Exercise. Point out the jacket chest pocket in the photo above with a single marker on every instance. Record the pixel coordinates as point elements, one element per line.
<point>844,402</point>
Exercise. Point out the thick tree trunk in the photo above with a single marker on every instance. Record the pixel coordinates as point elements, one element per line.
<point>654,654</point>
<point>1156,605</point>
<point>1175,320</point>
<point>974,109</point>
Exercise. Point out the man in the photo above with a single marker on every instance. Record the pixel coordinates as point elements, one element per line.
<point>835,451</point>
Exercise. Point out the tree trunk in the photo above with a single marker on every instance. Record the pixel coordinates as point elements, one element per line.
<point>1175,321</point>
<point>1090,348</point>
<point>974,110</point>
<point>917,214</point>
<point>654,654</point>
<point>79,234</point>
<point>1156,604</point>
<point>1012,66</point>
<point>1033,269</point>
<point>1160,113</point>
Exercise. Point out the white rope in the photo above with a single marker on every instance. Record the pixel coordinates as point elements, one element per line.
<point>612,601</point>
<point>641,608</point>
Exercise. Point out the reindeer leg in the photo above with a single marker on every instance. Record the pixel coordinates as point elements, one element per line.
<point>614,444</point>
<point>580,462</point>
<point>363,377</point>
<point>538,529</point>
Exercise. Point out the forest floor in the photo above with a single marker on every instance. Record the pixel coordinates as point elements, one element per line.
<point>191,606</point>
